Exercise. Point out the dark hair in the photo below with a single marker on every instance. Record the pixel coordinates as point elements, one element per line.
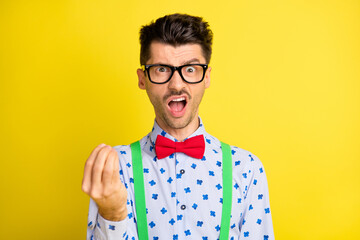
<point>176,29</point>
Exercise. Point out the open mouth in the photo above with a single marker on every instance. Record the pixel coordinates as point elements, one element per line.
<point>177,105</point>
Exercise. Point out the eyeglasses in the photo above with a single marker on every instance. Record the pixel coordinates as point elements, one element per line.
<point>190,73</point>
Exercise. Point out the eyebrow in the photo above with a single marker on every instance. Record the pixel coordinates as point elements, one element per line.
<point>193,60</point>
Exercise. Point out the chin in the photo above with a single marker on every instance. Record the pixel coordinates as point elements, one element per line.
<point>178,123</point>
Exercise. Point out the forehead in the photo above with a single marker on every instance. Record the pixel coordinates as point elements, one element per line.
<point>162,53</point>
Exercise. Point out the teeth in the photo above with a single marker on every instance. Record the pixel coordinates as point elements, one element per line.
<point>178,99</point>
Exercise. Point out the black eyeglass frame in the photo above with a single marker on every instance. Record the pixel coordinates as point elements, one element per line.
<point>178,69</point>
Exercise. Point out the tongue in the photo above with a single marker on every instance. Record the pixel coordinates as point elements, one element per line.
<point>177,106</point>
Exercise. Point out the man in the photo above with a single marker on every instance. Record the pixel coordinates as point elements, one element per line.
<point>184,189</point>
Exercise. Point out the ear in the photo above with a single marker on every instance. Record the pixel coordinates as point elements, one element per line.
<point>142,78</point>
<point>207,77</point>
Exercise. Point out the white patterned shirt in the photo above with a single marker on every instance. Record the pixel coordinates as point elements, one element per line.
<point>184,195</point>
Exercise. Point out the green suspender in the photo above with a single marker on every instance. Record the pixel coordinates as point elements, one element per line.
<point>227,192</point>
<point>138,175</point>
<point>140,191</point>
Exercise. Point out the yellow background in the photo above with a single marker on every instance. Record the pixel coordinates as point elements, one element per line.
<point>285,85</point>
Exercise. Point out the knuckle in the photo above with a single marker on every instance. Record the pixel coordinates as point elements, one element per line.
<point>88,164</point>
<point>97,168</point>
<point>95,194</point>
<point>108,191</point>
<point>107,171</point>
<point>107,194</point>
<point>85,188</point>
<point>103,151</point>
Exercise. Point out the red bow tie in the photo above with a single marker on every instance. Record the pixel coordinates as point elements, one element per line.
<point>193,147</point>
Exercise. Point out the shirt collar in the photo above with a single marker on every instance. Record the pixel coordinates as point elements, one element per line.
<point>157,130</point>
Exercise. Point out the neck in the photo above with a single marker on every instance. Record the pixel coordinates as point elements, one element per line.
<point>181,133</point>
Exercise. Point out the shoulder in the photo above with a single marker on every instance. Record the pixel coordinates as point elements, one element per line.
<point>122,149</point>
<point>236,152</point>
<point>125,150</point>
<point>244,161</point>
<point>244,157</point>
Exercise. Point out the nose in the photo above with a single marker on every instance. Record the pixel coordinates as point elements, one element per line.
<point>176,83</point>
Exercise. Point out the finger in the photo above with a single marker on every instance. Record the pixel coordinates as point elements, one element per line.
<point>116,169</point>
<point>98,167</point>
<point>116,166</point>
<point>86,183</point>
<point>108,169</point>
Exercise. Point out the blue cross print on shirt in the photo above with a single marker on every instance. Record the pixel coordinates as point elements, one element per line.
<point>199,189</point>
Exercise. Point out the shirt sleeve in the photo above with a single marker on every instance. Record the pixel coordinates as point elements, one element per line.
<point>256,222</point>
<point>100,229</point>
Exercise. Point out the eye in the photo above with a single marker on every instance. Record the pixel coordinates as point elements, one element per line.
<point>190,69</point>
<point>162,69</point>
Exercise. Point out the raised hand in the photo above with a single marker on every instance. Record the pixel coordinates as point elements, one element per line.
<point>102,183</point>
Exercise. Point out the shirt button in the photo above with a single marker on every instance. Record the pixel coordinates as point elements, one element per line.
<point>183,207</point>
<point>182,171</point>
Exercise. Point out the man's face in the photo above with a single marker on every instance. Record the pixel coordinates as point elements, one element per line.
<point>176,102</point>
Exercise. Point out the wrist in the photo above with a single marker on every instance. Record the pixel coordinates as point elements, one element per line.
<point>114,215</point>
